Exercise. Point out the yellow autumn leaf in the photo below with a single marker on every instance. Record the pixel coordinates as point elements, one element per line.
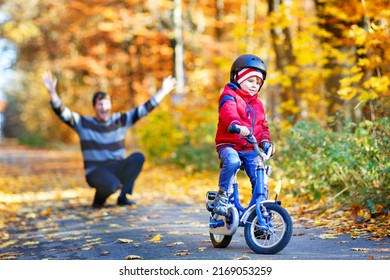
<point>30,243</point>
<point>7,244</point>
<point>319,222</point>
<point>93,240</point>
<point>278,187</point>
<point>354,235</point>
<point>328,236</point>
<point>156,239</point>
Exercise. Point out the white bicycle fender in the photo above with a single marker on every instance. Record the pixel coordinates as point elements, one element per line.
<point>228,229</point>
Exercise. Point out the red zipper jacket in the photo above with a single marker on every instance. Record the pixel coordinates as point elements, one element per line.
<point>236,106</point>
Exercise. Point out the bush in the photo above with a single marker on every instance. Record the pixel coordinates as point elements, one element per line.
<point>189,144</point>
<point>351,165</point>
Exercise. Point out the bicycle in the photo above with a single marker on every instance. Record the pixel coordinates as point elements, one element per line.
<point>267,225</point>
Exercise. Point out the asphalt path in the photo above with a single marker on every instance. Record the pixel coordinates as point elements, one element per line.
<point>162,232</point>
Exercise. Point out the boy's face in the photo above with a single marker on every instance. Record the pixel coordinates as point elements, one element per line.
<point>252,85</point>
<point>103,109</point>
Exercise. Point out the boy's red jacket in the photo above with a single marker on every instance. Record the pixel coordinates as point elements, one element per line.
<point>238,107</point>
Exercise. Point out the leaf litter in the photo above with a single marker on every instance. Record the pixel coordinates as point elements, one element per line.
<point>55,190</point>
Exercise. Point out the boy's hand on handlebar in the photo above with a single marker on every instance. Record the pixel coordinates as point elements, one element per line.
<point>267,147</point>
<point>244,131</point>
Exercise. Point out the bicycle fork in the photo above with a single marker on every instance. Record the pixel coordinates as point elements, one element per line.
<point>261,192</point>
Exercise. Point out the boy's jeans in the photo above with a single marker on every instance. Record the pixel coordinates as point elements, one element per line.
<point>231,161</point>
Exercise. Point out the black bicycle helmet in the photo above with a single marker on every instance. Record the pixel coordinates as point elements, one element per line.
<point>247,61</point>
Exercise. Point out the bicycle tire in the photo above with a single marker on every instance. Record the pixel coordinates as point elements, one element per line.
<point>220,240</point>
<point>269,243</point>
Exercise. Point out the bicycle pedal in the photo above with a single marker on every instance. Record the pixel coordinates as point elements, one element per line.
<point>209,206</point>
<point>216,223</point>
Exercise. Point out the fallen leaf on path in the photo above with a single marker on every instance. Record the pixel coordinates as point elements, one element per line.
<point>114,226</point>
<point>191,211</point>
<point>360,249</point>
<point>45,213</point>
<point>382,250</point>
<point>181,253</point>
<point>133,257</point>
<point>10,255</point>
<point>154,216</point>
<point>175,244</point>
<point>320,223</point>
<point>201,249</point>
<point>328,236</point>
<point>124,240</point>
<point>28,243</point>
<point>69,238</point>
<point>7,244</point>
<point>93,240</point>
<point>243,257</point>
<point>156,239</point>
<point>354,235</point>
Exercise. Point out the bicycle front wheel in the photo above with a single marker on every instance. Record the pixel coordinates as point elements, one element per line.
<point>276,238</point>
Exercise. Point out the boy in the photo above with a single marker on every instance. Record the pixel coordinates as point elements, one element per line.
<point>239,106</point>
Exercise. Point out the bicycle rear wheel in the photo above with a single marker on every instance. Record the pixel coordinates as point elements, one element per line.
<point>220,240</point>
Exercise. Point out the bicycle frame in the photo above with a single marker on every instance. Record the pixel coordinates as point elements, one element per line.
<point>239,214</point>
<point>259,194</point>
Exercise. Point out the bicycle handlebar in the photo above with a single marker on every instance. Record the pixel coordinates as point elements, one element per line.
<point>251,139</point>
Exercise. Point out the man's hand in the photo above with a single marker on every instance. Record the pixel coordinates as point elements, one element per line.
<point>49,81</point>
<point>168,85</point>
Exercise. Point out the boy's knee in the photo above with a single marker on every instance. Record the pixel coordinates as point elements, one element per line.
<point>232,163</point>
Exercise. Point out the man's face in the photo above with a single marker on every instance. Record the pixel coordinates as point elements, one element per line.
<point>103,109</point>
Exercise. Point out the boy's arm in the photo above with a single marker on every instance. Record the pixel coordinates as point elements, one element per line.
<point>266,144</point>
<point>228,109</point>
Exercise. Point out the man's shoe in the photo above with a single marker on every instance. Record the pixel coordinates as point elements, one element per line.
<point>125,201</point>
<point>220,203</point>
<point>98,203</point>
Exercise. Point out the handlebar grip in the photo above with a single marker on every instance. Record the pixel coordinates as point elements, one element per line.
<point>233,129</point>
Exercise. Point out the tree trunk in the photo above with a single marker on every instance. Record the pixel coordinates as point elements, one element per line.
<point>283,48</point>
<point>178,53</point>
